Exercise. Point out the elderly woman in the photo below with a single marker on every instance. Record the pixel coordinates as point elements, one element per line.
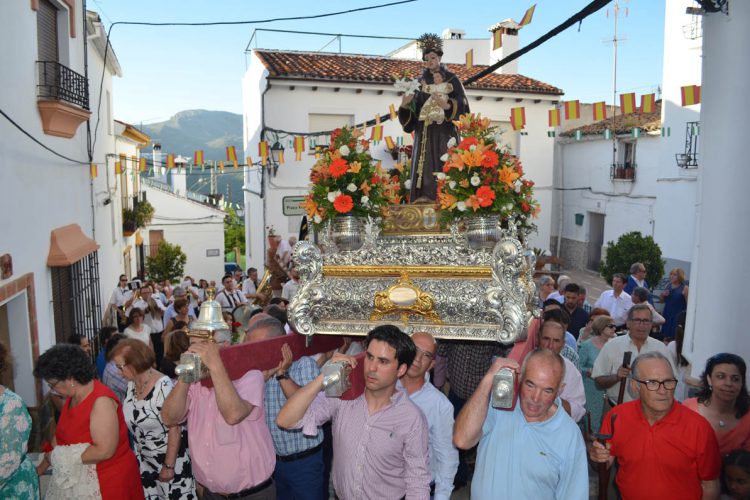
<point>17,476</point>
<point>545,287</point>
<point>91,416</point>
<point>675,301</point>
<point>137,327</point>
<point>162,452</point>
<point>602,331</point>
<point>724,401</point>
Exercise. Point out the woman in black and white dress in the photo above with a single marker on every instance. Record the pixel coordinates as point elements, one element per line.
<point>161,451</point>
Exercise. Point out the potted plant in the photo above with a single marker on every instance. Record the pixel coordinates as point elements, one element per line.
<point>348,187</point>
<point>139,216</point>
<point>129,224</point>
<point>482,183</point>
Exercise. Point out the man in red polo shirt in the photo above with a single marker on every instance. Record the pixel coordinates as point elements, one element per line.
<point>662,449</point>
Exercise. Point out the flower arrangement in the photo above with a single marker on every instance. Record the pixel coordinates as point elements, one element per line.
<point>347,181</point>
<point>481,177</point>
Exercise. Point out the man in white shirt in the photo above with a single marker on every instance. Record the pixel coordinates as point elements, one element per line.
<point>289,290</point>
<point>616,301</point>
<point>250,285</point>
<point>120,295</point>
<point>284,252</point>
<point>439,412</point>
<point>229,297</point>
<point>152,308</point>
<point>573,395</point>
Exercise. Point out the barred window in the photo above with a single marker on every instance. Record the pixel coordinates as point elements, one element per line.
<point>76,299</point>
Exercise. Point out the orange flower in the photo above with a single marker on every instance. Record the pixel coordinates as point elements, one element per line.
<point>525,206</point>
<point>365,188</point>
<point>464,183</point>
<point>338,167</point>
<point>355,167</point>
<point>489,158</point>
<point>486,196</point>
<point>343,203</point>
<point>473,202</point>
<point>472,158</point>
<point>508,175</point>
<point>310,206</point>
<point>467,142</point>
<point>536,210</point>
<point>446,200</point>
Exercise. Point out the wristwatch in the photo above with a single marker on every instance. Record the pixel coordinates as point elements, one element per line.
<point>282,376</point>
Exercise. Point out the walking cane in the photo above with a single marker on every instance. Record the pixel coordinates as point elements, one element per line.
<point>602,470</point>
<point>626,356</point>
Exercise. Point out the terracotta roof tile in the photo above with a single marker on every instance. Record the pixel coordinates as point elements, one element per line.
<point>648,122</point>
<point>378,69</point>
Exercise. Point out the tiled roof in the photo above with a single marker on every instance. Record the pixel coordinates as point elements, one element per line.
<point>624,124</point>
<point>383,70</point>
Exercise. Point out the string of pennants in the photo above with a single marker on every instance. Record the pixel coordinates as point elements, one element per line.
<point>497,36</point>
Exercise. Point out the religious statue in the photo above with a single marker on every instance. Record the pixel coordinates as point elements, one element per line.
<point>429,113</point>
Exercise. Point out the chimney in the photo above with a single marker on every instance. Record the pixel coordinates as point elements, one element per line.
<point>453,34</point>
<point>509,37</point>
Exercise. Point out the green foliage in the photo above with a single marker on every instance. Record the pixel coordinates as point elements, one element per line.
<point>140,216</point>
<point>168,263</point>
<point>631,248</point>
<point>234,232</point>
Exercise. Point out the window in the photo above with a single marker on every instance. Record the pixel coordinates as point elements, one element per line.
<point>46,31</point>
<point>76,298</point>
<point>625,166</point>
<point>689,158</point>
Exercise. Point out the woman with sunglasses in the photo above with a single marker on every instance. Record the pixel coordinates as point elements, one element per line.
<point>91,418</point>
<point>602,330</point>
<point>724,401</point>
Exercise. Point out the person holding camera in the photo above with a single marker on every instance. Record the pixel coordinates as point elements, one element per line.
<point>120,296</point>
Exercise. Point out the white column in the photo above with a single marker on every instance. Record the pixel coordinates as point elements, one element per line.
<point>718,302</point>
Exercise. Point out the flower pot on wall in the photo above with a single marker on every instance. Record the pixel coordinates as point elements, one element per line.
<point>629,173</point>
<point>619,173</point>
<point>128,228</point>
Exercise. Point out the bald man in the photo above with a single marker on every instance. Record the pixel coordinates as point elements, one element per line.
<point>439,412</point>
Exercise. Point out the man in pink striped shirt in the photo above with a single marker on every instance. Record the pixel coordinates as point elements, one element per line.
<point>380,438</point>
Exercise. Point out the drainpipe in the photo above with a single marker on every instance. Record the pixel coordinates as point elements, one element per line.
<point>263,169</point>
<point>85,38</point>
<point>561,217</point>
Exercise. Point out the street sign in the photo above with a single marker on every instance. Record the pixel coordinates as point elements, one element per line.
<point>291,205</point>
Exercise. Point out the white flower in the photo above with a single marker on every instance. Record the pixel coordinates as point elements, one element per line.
<point>332,195</point>
<point>351,187</point>
<point>475,180</point>
<point>461,206</point>
<point>498,137</point>
<point>365,200</point>
<point>344,150</point>
<point>444,157</point>
<point>517,188</point>
<point>508,207</point>
<point>473,147</point>
<point>451,142</point>
<point>407,184</point>
<point>406,86</point>
<point>452,184</point>
<point>440,176</point>
<point>317,219</point>
<point>359,149</point>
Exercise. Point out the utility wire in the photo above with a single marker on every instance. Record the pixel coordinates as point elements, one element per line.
<point>28,134</point>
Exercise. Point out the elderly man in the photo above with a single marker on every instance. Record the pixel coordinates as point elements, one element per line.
<point>169,313</point>
<point>380,438</point>
<point>230,445</point>
<point>637,278</point>
<point>608,371</point>
<point>439,413</point>
<point>532,451</point>
<point>573,395</point>
<point>616,301</point>
<point>663,449</point>
<point>570,349</point>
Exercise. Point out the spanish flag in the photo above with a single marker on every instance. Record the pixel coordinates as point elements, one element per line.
<point>281,157</point>
<point>497,38</point>
<point>600,111</point>
<point>691,94</point>
<point>221,166</point>
<point>554,117</point>
<point>142,166</point>
<point>527,16</point>
<point>389,142</point>
<point>249,161</point>
<point>392,110</point>
<point>627,103</point>
<point>93,171</point>
<point>118,167</point>
<point>518,118</point>
<point>299,147</point>
<point>377,130</point>
<point>572,110</point>
<point>198,157</point>
<point>263,152</point>
<point>647,103</point>
<point>232,155</point>
<point>170,160</point>
<point>470,59</point>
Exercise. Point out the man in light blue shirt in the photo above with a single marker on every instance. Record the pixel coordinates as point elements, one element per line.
<point>439,413</point>
<point>532,451</point>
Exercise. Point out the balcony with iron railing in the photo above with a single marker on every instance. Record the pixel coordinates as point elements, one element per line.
<point>625,172</point>
<point>62,98</point>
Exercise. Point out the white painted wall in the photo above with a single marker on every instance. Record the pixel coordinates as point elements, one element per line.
<point>289,110</point>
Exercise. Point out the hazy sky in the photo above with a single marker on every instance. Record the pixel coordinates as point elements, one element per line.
<point>169,69</point>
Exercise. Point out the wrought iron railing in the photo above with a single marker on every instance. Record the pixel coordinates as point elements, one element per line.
<point>59,82</point>
<point>623,171</point>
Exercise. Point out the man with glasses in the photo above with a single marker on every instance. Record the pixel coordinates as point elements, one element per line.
<point>120,296</point>
<point>662,448</point>
<point>608,371</point>
<point>439,412</point>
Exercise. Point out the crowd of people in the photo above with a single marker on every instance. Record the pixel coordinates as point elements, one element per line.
<point>129,428</point>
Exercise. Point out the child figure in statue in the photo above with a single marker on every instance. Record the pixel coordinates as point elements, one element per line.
<point>432,112</point>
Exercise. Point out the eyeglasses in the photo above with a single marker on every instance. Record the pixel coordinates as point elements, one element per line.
<point>653,385</point>
<point>611,325</point>
<point>124,280</point>
<point>641,321</point>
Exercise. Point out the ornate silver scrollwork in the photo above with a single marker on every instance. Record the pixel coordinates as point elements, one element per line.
<point>306,303</point>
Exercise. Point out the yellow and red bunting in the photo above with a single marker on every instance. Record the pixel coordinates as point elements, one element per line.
<point>142,165</point>
<point>170,160</point>
<point>648,103</point>
<point>527,16</point>
<point>221,166</point>
<point>691,94</point>
<point>377,130</point>
<point>263,152</point>
<point>123,162</point>
<point>392,111</point>
<point>281,157</point>
<point>118,167</point>
<point>248,161</point>
<point>627,103</point>
<point>497,38</point>
<point>93,171</point>
<point>389,142</point>
<point>518,118</point>
<point>600,111</point>
<point>299,147</point>
<point>572,110</point>
<point>554,117</point>
<point>470,59</point>
<point>232,155</point>
<point>198,157</point>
